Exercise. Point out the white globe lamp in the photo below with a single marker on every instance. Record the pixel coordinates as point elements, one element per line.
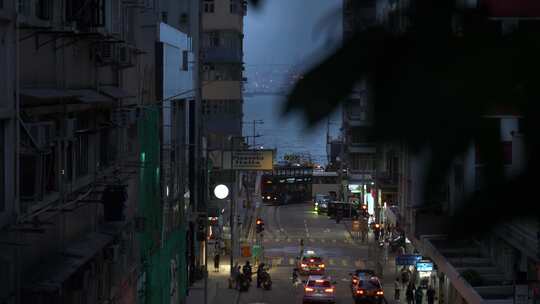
<point>221,191</point>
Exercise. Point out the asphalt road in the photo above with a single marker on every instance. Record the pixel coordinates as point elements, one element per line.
<point>285,226</point>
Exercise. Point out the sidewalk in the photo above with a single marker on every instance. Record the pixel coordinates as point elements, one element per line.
<point>388,273</point>
<point>218,286</point>
<point>218,282</point>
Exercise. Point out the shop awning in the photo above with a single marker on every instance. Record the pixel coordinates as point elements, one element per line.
<point>90,96</point>
<point>47,94</point>
<point>115,92</point>
<point>60,268</point>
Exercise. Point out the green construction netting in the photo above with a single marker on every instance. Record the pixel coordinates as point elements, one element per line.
<point>159,256</point>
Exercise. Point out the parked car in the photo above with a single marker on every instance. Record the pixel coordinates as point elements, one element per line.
<point>321,202</point>
<point>348,209</point>
<point>319,289</point>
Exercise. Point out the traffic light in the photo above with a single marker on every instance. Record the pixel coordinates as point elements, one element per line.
<point>259,225</point>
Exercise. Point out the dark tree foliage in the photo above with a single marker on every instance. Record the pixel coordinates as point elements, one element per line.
<point>432,88</point>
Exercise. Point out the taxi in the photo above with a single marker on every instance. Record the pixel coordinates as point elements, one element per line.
<point>311,263</point>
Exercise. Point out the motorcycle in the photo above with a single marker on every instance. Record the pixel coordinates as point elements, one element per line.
<point>266,281</point>
<point>244,283</point>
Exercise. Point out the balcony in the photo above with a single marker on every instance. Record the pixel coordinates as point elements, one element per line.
<point>223,90</point>
<point>222,55</point>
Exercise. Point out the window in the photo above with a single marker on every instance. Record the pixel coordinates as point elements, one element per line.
<point>185,58</point>
<point>363,116</point>
<point>209,6</point>
<point>108,147</point>
<point>507,152</point>
<point>81,156</point>
<point>43,9</point>
<point>234,7</point>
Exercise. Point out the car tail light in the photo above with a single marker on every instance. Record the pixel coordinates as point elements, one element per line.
<point>322,266</point>
<point>309,289</point>
<point>303,265</point>
<point>360,291</point>
<point>380,293</point>
<point>311,260</point>
<point>329,290</point>
<point>354,281</point>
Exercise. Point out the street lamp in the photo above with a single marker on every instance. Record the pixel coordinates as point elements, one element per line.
<point>221,191</point>
<point>234,178</point>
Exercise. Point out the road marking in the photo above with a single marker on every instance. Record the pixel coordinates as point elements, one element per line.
<point>289,240</point>
<point>334,241</point>
<point>312,240</point>
<point>331,262</point>
<point>291,261</point>
<point>344,262</point>
<point>277,240</point>
<point>323,241</point>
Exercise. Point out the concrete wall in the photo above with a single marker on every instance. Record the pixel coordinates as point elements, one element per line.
<point>228,90</point>
<point>221,18</point>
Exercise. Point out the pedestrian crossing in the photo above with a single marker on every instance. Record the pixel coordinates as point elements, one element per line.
<point>311,240</point>
<point>344,262</point>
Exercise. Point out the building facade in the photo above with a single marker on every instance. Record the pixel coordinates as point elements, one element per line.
<point>469,270</point>
<point>222,69</point>
<point>95,121</point>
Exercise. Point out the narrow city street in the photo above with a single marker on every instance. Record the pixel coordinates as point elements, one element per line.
<point>285,227</point>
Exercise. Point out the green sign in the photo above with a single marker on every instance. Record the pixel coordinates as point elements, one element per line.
<point>256,250</point>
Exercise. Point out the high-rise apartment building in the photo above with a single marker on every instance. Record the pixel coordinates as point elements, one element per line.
<point>221,71</point>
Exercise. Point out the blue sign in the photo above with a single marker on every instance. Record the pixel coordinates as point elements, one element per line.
<point>424,265</point>
<point>408,259</point>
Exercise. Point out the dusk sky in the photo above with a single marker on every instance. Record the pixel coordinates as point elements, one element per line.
<point>288,31</point>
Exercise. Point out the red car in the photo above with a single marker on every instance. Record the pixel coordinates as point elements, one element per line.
<point>311,264</point>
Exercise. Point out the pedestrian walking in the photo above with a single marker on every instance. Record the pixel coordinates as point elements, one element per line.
<point>419,294</point>
<point>216,262</point>
<point>233,283</point>
<point>409,294</point>
<point>397,289</point>
<point>246,270</point>
<point>430,294</point>
<point>405,275</point>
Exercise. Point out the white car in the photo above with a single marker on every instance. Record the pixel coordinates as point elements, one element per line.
<point>319,288</point>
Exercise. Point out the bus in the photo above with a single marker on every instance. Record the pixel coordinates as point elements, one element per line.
<point>325,183</point>
<point>287,184</point>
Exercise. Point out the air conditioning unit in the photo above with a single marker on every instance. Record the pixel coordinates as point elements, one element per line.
<point>43,133</point>
<point>105,53</point>
<point>123,56</point>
